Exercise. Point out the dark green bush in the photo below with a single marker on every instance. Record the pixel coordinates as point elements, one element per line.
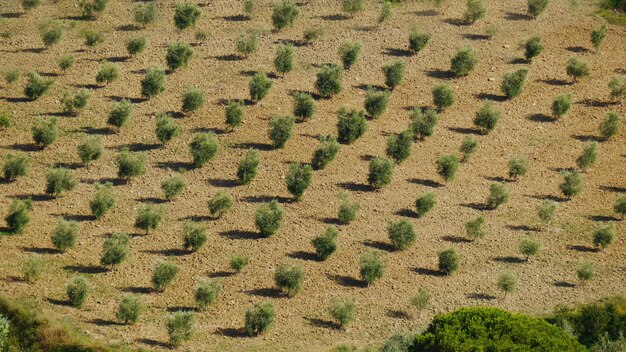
<point>92,37</point>
<point>513,83</point>
<point>51,33</point>
<point>91,9</point>
<point>30,4</point>
<point>203,148</point>
<point>518,166</point>
<point>207,292</point>
<point>536,7</point>
<point>166,128</point>
<point>487,117</point>
<point>348,209</point>
<point>325,152</point>
<point>283,61</point>
<point>259,318</point>
<point>447,166</point>
<point>163,275</point>
<point>239,262</point>
<point>443,96</point>
<point>304,106</point>
<point>120,113</point>
<point>351,125</point>
<point>401,234</point>
<point>561,105</point>
<point>448,261</point>
<point>129,309</point>
<point>399,146</point>
<point>468,147</point>
<point>130,165</point>
<point>235,113</point>
<point>268,218</point>
<point>498,195</point>
<point>220,204</point>
<point>60,180</point>
<point>179,327</point>
<point>617,85</point>
<point>108,73</point>
<point>352,6</point>
<point>65,235</point>
<point>604,236</point>
<point>247,43</point>
<point>533,48</point>
<point>342,311</point>
<point>394,73</point>
<point>103,200</point>
<point>89,149</point>
<point>136,46</point>
<point>193,99</point>
<point>5,121</point>
<point>475,11</point>
<point>15,165</point>
<point>328,81</point>
<point>194,236</point>
<point>298,179</point>
<point>376,102</point>
<point>77,290</point>
<point>609,127</point>
<point>577,69</point>
<point>423,122</point>
<point>247,169</point>
<point>424,203</point>
<point>178,55</point>
<point>349,53</point>
<point>418,40</point>
<point>620,206</point>
<point>145,13</point>
<point>153,82</point>
<point>173,187</point>
<point>475,228</point>
<point>115,249</point>
<point>326,244</point>
<point>36,86</point>
<point>588,156</point>
<point>186,15</point>
<point>284,14</point>
<point>572,184</point>
<point>148,218</point>
<point>371,267</point>
<point>289,277</point>
<point>259,86</point>
<point>73,104</point>
<point>380,172</point>
<point>19,215</point>
<point>281,130</point>
<point>464,61</point>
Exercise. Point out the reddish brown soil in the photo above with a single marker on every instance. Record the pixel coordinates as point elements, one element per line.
<point>302,321</point>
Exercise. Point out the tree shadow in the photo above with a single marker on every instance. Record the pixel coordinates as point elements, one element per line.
<point>408,213</point>
<point>310,256</point>
<point>153,343</point>
<point>224,183</point>
<point>335,17</point>
<point>547,197</point>
<point>241,235</point>
<point>35,197</point>
<point>509,260</point>
<point>595,103</point>
<point>353,186</point>
<point>602,218</point>
<point>498,179</point>
<point>464,130</point>
<point>587,138</point>
<point>266,292</point>
<point>428,13</point>
<point>76,217</point>
<point>34,51</point>
<point>480,296</point>
<point>231,332</point>
<point>137,290</point>
<point>172,252</point>
<point>12,14</point>
<point>555,82</point>
<point>398,314</point>
<point>397,52</point>
<point>174,165</point>
<point>95,131</point>
<point>25,147</point>
<point>59,302</point>
<point>428,272</point>
<point>228,58</point>
<point>540,118</point>
<point>366,87</point>
<point>564,284</point>
<point>235,18</point>
<point>127,28</point>
<point>40,250</point>
<point>71,166</point>
<point>582,248</point>
<point>471,36</point>
<point>103,322</point>
<point>266,199</point>
<point>455,239</point>
<point>118,98</point>
<point>152,200</point>
<point>16,100</point>
<point>523,228</point>
<point>198,218</point>
<point>346,281</point>
<point>175,309</point>
<point>86,269</point>
<point>514,16</point>
<point>577,49</point>
<point>253,145</point>
<point>455,22</point>
<point>439,74</point>
<point>475,206</point>
<point>426,183</point>
<point>518,61</point>
<point>613,189</point>
<point>221,274</point>
<point>490,97</point>
<point>383,246</point>
<point>293,42</point>
<point>139,147</point>
<point>320,323</point>
<point>117,58</point>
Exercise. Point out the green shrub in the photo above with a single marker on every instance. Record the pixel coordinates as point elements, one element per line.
<point>620,206</point>
<point>202,36</point>
<point>283,61</point>
<point>401,234</point>
<point>77,290</point>
<point>36,86</point>
<point>487,117</point>
<point>475,11</point>
<point>394,73</point>
<point>325,152</point>
<point>572,184</point>
<point>193,99</point>
<point>443,96</point>
<point>298,179</point>
<point>259,86</point>
<point>342,311</point>
<point>352,6</point>
<point>348,209</point>
<point>166,128</point>
<point>32,268</point>
<point>92,37</point>
<point>30,4</point>
<point>547,211</point>
<point>561,105</point>
<point>513,83</point>
<point>129,310</point>
<point>178,55</point>
<point>194,236</point>
<point>179,327</point>
<point>420,300</point>
<point>153,82</point>
<point>423,122</point>
<point>12,75</point>
<point>89,149</point>
<point>15,165</point>
<point>108,73</point>
<point>418,40</point>
<point>207,292</point>
<point>248,6</point>
<point>577,69</point>
<point>51,33</point>
<point>220,204</point>
<point>304,106</point>
<point>609,127</point>
<point>468,147</point>
<point>136,46</point>
<point>247,43</point>
<point>163,275</point>
<point>447,166</point>
<point>5,121</point>
<point>507,282</point>
<point>173,187</point>
<point>533,48</point>
<point>313,34</point>
<point>60,180</point>
<point>103,200</point>
<point>617,85</point>
<point>475,228</point>
<point>115,249</point>
<point>65,235</point>
<point>498,195</point>
<point>239,262</point>
<point>351,125</point>
<point>518,166</point>
<point>145,13</point>
<point>325,245</point>
<point>19,215</point>
<point>385,12</point>
<point>349,53</point>
<point>588,156</point>
<point>289,277</point>
<point>92,8</point>
<point>328,80</point>
<point>284,15</point>
<point>464,61</point>
<point>72,105</point>
<point>203,148</point>
<point>424,203</point>
<point>380,172</point>
<point>376,102</point>
<point>399,146</point>
<point>598,35</point>
<point>268,218</point>
<point>604,236</point>
<point>536,7</point>
<point>259,318</point>
<point>130,165</point>
<point>247,169</point>
<point>448,261</point>
<point>529,248</point>
<point>235,113</point>
<point>120,113</point>
<point>148,218</point>
<point>585,271</point>
<point>280,130</point>
<point>186,15</point>
<point>371,267</point>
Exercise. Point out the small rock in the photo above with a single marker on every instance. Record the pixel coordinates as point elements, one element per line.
<point>506,46</point>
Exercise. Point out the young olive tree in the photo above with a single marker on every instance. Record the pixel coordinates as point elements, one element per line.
<point>588,157</point>
<point>130,164</point>
<point>572,184</point>
<point>464,61</point>
<point>380,172</point>
<point>103,200</point>
<point>532,48</point>
<point>325,245</point>
<point>220,204</point>
<point>328,80</point>
<point>349,53</point>
<point>518,166</point>
<point>281,130</point>
<point>284,14</point>
<point>418,40</point>
<point>577,69</point>
<point>487,117</point>
<point>394,73</point>
<point>59,181</point>
<point>423,123</point>
<point>399,146</point>
<point>283,61</point>
<point>468,147</point>
<point>298,179</point>
<point>259,86</point>
<point>289,278</point>
<point>269,217</point>
<point>186,15</point>
<point>475,11</point>
<point>443,96</point>
<point>351,125</point>
<point>203,147</point>
<point>120,114</point>
<point>247,168</point>
<point>235,113</point>
<point>166,129</point>
<point>561,105</point>
<point>153,83</point>
<point>89,149</point>
<point>372,267</point>
<point>376,102</point>
<point>513,83</point>
<point>447,166</point>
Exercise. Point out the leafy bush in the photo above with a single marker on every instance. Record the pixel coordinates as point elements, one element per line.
<point>60,180</point>
<point>29,5</point>
<point>487,117</point>
<point>401,234</point>
<point>259,86</point>
<point>380,172</point>
<point>65,235</point>
<point>304,106</point>
<point>92,8</point>
<point>115,249</point>
<point>385,12</point>
<point>352,6</point>
<point>235,112</point>
<point>284,15</point>
<point>617,85</point>
<point>464,61</point>
<point>89,149</point>
<point>129,309</point>
<point>513,83</point>
<point>269,217</point>
<point>120,113</point>
<point>186,15</point>
<point>328,81</point>
<point>103,200</point>
<point>283,61</point>
<point>507,282</point>
<point>536,7</point>
<point>259,318</point>
<point>342,311</point>
<point>163,275</point>
<point>247,169</point>
<point>5,121</point>
<point>349,53</point>
<point>179,327</point>
<point>153,82</point>
<point>193,99</point>
<point>145,13</point>
<point>12,75</point>
<point>572,184</point>
<point>448,261</point>
<point>203,148</point>
<point>529,248</point>
<point>289,278</point>
<point>130,165</point>
<point>475,11</point>
<point>399,146</point>
<point>108,73</point>
<point>604,236</point>
<point>577,69</point>
<point>561,105</point>
<point>394,73</point>
<point>443,96</point>
<point>207,292</point>
<point>609,127</point>
<point>173,187</point>
<point>280,130</point>
<point>51,33</point>
<point>298,179</point>
<point>348,209</point>
<point>475,228</point>
<point>620,206</point>
<point>239,262</point>
<point>351,125</point>
<point>36,86</point>
<point>178,55</point>
<point>533,48</point>
<point>313,34</point>
<point>32,268</point>
<point>598,35</point>
<point>220,204</point>
<point>371,267</point>
<point>424,203</point>
<point>547,211</point>
<point>72,105</point>
<point>518,166</point>
<point>418,40</point>
<point>166,128</point>
<point>247,43</point>
<point>77,290</point>
<point>468,147</point>
<point>148,218</point>
<point>194,236</point>
<point>325,152</point>
<point>92,37</point>
<point>447,166</point>
<point>19,215</point>
<point>136,46</point>
<point>421,300</point>
<point>423,123</point>
<point>326,244</point>
<point>376,102</point>
<point>248,6</point>
<point>15,165</point>
<point>498,195</point>
<point>588,156</point>
<point>585,271</point>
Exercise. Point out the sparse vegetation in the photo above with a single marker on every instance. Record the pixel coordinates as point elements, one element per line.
<point>518,166</point>
<point>220,204</point>
<point>349,53</point>
<point>203,147</point>
<point>268,218</point>
<point>259,318</point>
<point>59,181</point>
<point>179,327</point>
<point>342,311</point>
<point>284,15</point>
<point>149,218</point>
<point>351,125</point>
<point>380,172</point>
<point>448,261</point>
<point>487,117</point>
<point>372,267</point>
<point>447,166</point>
<point>281,130</point>
<point>207,292</point>
<point>610,126</point>
<point>423,123</point>
<point>588,157</point>
<point>420,300</point>
<point>115,249</point>
<point>561,105</point>
<point>325,245</point>
<point>289,278</point>
<point>194,236</point>
<point>247,169</point>
<point>475,228</point>
<point>65,235</point>
<point>394,73</point>
<point>259,86</point>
